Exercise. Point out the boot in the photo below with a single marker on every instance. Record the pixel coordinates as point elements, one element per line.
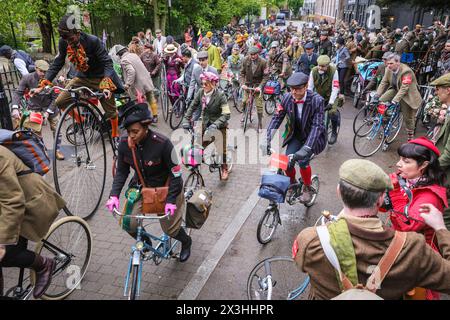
<point>44,268</point>
<point>334,124</point>
<point>186,242</point>
<point>225,172</point>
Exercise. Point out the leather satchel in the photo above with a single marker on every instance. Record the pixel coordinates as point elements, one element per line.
<point>153,199</point>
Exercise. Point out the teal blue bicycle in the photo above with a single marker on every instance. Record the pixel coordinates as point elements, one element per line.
<point>143,250</point>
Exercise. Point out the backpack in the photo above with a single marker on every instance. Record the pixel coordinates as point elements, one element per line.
<point>360,292</point>
<point>29,148</point>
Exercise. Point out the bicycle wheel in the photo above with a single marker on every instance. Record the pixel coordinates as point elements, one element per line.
<point>69,243</point>
<point>394,130</point>
<point>365,115</point>
<point>270,106</point>
<point>177,114</point>
<point>80,178</point>
<point>193,182</point>
<point>134,279</point>
<point>286,282</point>
<point>370,142</point>
<point>268,224</point>
<point>315,184</point>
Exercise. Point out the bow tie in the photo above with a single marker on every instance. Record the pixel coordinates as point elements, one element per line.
<point>299,101</point>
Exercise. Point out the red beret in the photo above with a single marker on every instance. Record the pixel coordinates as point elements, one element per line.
<point>423,141</point>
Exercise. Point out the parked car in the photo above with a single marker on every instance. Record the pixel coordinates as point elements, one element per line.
<point>280,20</point>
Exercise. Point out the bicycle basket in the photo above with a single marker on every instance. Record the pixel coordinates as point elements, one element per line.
<point>192,155</point>
<point>272,88</point>
<point>274,186</point>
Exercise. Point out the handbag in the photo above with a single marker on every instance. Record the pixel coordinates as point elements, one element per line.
<point>197,208</point>
<point>153,199</point>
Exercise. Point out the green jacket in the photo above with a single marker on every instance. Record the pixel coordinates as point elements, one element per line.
<point>215,112</point>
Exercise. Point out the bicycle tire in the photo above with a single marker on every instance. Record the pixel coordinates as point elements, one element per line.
<point>134,278</point>
<point>177,114</point>
<point>75,175</point>
<point>315,184</point>
<point>284,274</point>
<point>58,231</point>
<point>270,219</point>
<point>392,136</point>
<point>193,182</point>
<point>366,115</point>
<point>371,135</point>
<point>270,106</point>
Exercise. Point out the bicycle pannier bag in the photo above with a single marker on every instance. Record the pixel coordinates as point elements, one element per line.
<point>29,147</point>
<point>273,187</point>
<point>197,208</point>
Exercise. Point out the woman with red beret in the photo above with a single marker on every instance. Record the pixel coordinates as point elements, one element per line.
<point>419,179</point>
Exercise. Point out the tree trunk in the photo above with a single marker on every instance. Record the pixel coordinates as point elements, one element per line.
<point>45,26</point>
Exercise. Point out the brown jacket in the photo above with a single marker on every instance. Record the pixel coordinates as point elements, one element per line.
<point>416,266</point>
<point>407,86</point>
<point>28,204</point>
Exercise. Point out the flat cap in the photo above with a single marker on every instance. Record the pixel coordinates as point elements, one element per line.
<point>297,79</point>
<point>42,65</point>
<point>202,55</point>
<point>443,81</point>
<point>253,50</point>
<point>365,174</point>
<point>323,60</point>
<point>309,45</point>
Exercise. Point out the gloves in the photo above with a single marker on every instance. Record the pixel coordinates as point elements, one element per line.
<point>112,203</point>
<point>328,107</point>
<point>170,209</point>
<point>15,113</point>
<point>304,153</point>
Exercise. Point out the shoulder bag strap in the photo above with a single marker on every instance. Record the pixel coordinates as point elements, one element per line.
<point>386,262</point>
<point>324,237</point>
<point>137,167</point>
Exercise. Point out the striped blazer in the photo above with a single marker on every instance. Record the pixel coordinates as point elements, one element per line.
<point>311,130</point>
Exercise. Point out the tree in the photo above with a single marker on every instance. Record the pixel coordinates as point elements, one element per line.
<point>295,5</point>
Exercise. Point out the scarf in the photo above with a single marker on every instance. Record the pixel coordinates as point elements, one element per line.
<point>77,56</point>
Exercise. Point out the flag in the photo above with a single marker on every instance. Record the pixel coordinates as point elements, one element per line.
<point>200,38</point>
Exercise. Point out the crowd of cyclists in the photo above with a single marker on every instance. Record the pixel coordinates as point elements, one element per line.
<point>315,65</point>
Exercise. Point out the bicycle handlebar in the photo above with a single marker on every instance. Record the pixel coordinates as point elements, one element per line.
<point>143,217</point>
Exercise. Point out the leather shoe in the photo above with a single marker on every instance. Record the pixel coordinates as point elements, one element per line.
<point>43,277</point>
<point>59,155</point>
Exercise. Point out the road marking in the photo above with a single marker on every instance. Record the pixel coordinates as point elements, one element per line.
<point>198,281</point>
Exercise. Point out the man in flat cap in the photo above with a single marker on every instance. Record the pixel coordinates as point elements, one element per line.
<point>308,60</point>
<point>44,104</point>
<point>359,240</point>
<point>305,132</point>
<point>443,138</point>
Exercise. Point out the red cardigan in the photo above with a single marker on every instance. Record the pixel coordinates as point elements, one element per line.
<point>434,194</point>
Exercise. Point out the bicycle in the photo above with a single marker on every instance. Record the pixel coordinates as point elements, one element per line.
<point>277,278</point>
<point>143,251</point>
<point>178,109</point>
<point>248,111</point>
<point>270,220</point>
<point>69,243</point>
<point>80,179</point>
<point>378,132</point>
<point>164,94</point>
<point>195,179</point>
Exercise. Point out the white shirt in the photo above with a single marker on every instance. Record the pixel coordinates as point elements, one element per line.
<point>21,66</point>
